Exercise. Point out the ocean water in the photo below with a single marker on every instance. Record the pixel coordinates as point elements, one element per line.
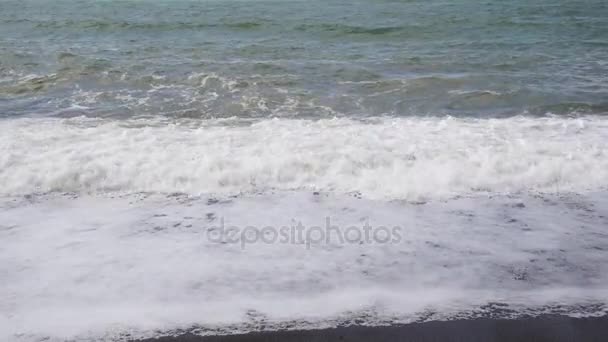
<point>131,130</point>
<point>302,59</point>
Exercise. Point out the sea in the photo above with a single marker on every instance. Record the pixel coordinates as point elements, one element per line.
<point>222,166</point>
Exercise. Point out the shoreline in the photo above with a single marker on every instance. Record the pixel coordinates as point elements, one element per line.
<point>534,329</point>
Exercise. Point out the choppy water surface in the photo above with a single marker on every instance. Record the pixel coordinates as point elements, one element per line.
<point>316,59</point>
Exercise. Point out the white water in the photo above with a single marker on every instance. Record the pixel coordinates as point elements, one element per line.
<point>96,244</point>
<point>80,267</point>
<point>408,158</point>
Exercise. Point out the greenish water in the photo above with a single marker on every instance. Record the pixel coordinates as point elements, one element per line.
<point>307,59</point>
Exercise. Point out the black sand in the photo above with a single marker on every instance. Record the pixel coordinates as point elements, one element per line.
<point>540,329</point>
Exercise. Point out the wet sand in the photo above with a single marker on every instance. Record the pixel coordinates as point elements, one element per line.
<point>538,329</point>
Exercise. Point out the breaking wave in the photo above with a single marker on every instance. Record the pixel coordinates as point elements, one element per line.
<point>386,158</point>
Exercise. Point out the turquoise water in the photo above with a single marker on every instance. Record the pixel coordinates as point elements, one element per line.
<point>304,59</point>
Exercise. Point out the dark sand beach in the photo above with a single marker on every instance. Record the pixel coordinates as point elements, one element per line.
<point>551,328</point>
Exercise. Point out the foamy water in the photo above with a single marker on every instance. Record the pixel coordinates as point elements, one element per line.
<point>142,142</point>
<point>108,226</point>
<point>147,264</point>
<point>381,158</point>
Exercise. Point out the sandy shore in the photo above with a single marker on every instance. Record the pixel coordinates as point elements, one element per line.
<point>539,329</point>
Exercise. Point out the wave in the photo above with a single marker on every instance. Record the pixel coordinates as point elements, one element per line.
<point>29,84</point>
<point>424,158</point>
<point>269,90</point>
<point>108,25</point>
<point>570,109</point>
<point>72,69</point>
<point>342,29</point>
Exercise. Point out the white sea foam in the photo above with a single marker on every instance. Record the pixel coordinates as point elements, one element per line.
<point>382,158</point>
<point>117,255</point>
<point>75,267</point>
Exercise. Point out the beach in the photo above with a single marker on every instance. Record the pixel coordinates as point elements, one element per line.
<point>303,170</point>
<point>551,328</point>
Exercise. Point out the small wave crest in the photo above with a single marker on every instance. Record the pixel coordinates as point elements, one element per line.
<point>109,25</point>
<point>342,29</point>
